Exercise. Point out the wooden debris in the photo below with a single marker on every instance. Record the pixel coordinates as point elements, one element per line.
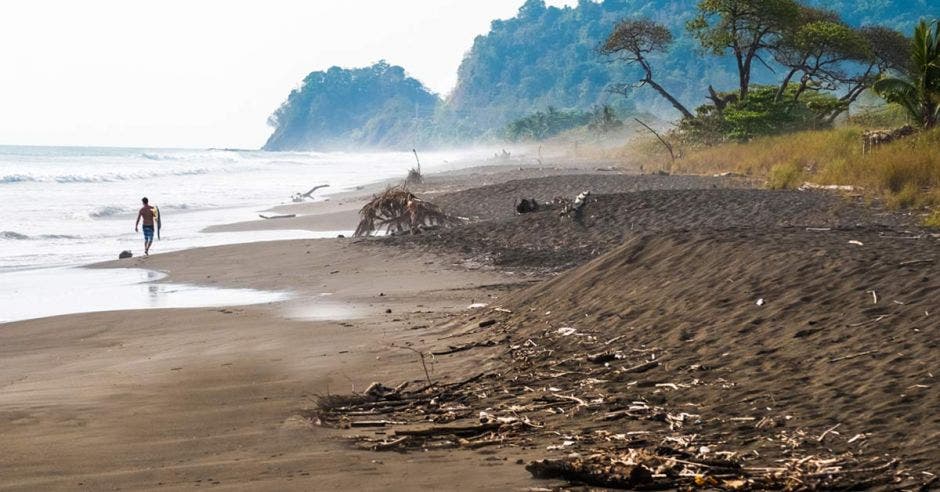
<point>853,356</point>
<point>397,210</point>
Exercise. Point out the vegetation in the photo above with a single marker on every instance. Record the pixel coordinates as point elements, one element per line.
<point>542,125</point>
<point>905,173</point>
<point>762,113</point>
<point>833,63</point>
<point>918,90</point>
<point>548,57</point>
<point>374,106</point>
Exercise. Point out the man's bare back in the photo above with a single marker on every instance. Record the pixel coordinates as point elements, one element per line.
<point>146,213</point>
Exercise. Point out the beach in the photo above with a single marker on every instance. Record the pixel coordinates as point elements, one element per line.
<point>743,319</point>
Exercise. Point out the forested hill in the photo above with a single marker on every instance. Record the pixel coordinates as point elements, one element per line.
<point>542,57</point>
<point>546,56</point>
<point>373,106</point>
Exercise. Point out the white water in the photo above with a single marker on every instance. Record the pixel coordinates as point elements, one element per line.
<point>67,206</point>
<point>72,206</point>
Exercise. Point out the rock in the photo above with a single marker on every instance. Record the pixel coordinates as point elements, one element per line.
<point>125,254</point>
<point>341,236</point>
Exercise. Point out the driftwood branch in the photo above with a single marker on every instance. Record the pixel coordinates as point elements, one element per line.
<point>661,139</point>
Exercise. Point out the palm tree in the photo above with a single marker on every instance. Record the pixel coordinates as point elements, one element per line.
<point>918,91</point>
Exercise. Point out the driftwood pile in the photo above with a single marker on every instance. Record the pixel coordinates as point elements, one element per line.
<point>397,211</point>
<point>606,415</point>
<point>875,138</point>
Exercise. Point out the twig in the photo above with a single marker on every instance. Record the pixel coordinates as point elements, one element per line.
<point>853,356</point>
<point>824,434</point>
<point>915,262</point>
<point>664,142</point>
<point>389,444</point>
<point>646,366</point>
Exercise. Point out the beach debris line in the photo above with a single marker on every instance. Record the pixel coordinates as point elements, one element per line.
<point>300,197</point>
<point>270,217</point>
<point>397,211</point>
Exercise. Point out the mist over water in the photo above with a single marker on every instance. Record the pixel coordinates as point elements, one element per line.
<point>72,206</point>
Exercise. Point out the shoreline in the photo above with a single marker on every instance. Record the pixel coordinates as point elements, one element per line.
<point>180,397</point>
<point>709,300</point>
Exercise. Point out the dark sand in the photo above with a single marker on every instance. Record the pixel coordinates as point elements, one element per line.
<point>665,267</point>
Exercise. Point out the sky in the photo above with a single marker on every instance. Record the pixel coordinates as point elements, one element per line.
<point>206,73</point>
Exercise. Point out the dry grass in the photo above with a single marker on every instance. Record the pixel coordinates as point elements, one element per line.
<point>906,173</point>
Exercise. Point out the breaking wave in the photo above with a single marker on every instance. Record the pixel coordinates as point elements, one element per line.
<point>108,211</point>
<point>13,235</point>
<point>16,178</point>
<point>99,178</point>
<point>16,236</point>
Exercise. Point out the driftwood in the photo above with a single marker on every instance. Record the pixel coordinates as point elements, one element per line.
<point>299,197</point>
<point>456,430</point>
<point>269,217</point>
<point>619,476</point>
<point>397,210</point>
<point>876,138</point>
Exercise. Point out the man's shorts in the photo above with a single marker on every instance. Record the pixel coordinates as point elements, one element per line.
<point>148,233</point>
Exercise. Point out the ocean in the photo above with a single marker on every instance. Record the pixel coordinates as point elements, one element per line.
<point>63,207</point>
<point>72,206</point>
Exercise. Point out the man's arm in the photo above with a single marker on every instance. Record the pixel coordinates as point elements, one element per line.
<point>137,223</point>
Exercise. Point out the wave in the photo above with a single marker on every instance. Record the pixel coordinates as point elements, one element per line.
<point>13,235</point>
<point>16,236</point>
<point>99,178</point>
<point>112,210</point>
<point>16,178</point>
<point>108,211</point>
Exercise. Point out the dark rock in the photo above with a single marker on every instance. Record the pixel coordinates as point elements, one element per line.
<point>125,254</point>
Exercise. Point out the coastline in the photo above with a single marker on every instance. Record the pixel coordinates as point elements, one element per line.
<point>181,397</point>
<point>710,300</point>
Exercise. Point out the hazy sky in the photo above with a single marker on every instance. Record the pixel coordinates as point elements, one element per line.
<point>206,73</point>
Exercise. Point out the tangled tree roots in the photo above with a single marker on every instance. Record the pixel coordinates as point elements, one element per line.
<point>397,210</point>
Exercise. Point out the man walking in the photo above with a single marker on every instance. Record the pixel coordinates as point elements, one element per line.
<point>147,214</point>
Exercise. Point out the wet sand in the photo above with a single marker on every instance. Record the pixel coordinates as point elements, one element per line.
<point>194,397</point>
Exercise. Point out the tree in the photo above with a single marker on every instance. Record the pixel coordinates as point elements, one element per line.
<point>822,51</point>
<point>633,41</point>
<point>604,120</point>
<point>918,90</point>
<point>746,27</point>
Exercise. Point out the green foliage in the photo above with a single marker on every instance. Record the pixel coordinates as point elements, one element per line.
<point>604,120</point>
<point>374,106</point>
<point>745,28</point>
<point>545,56</point>
<point>542,125</point>
<point>759,115</point>
<point>918,90</point>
